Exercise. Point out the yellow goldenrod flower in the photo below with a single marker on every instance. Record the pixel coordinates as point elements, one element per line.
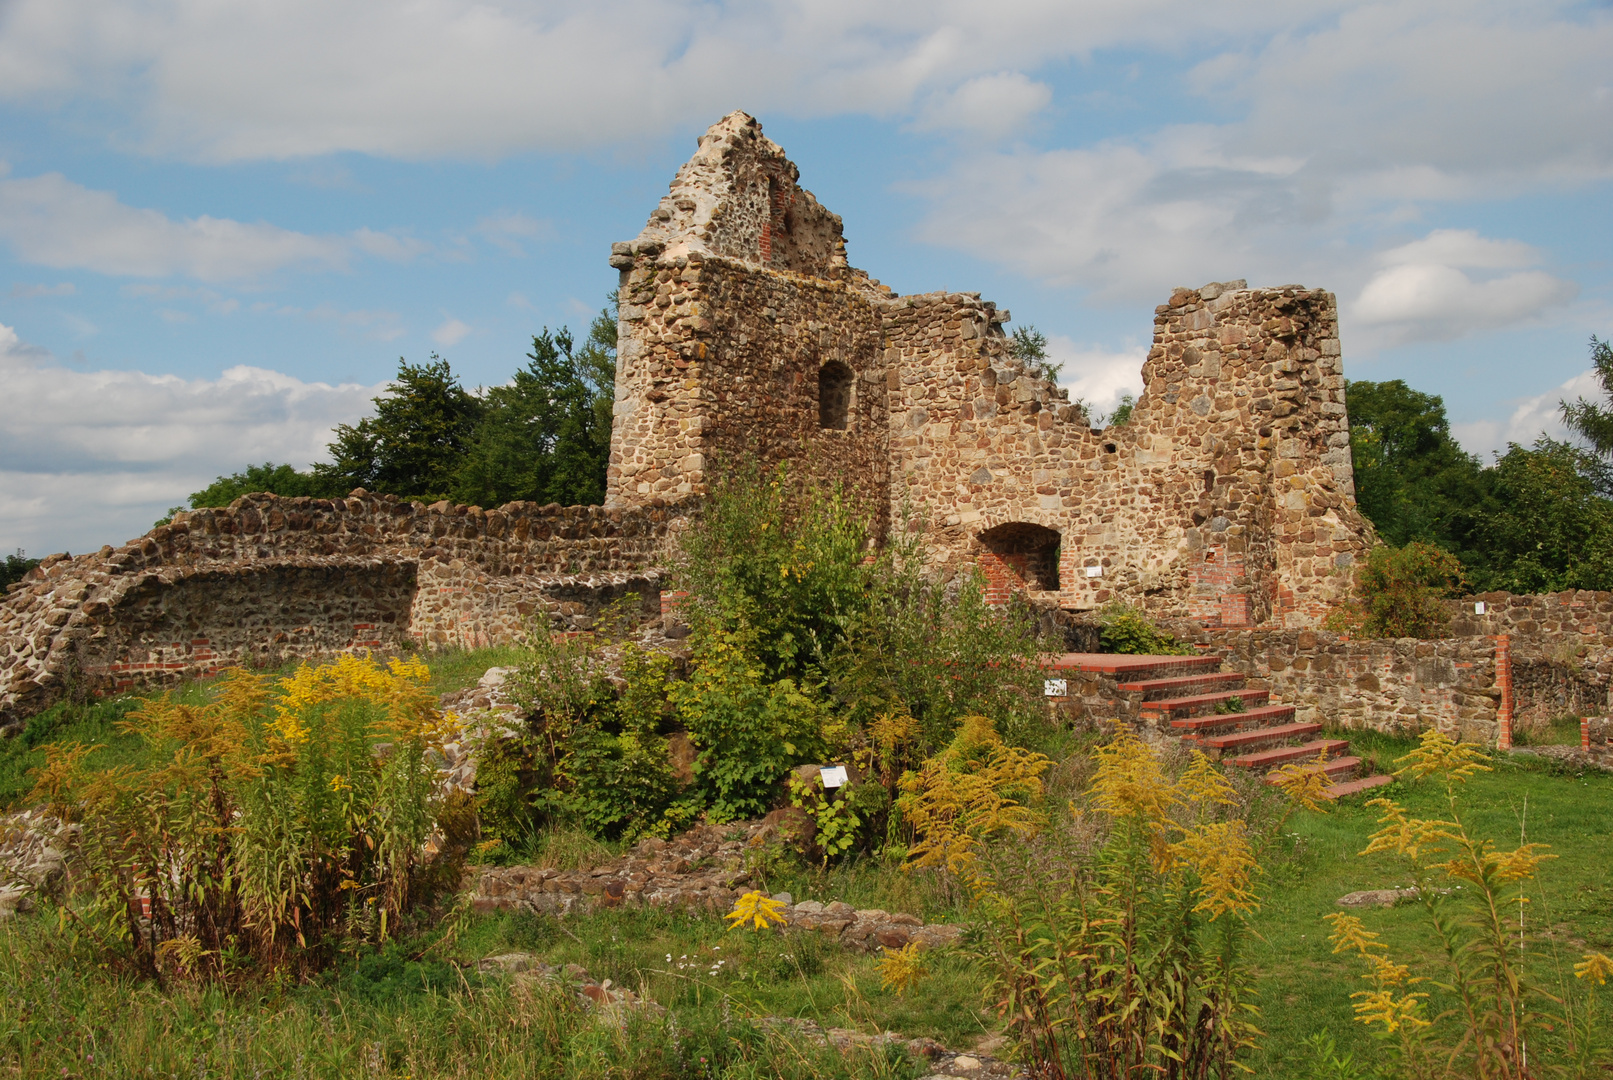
<point>1595,966</point>
<point>756,906</point>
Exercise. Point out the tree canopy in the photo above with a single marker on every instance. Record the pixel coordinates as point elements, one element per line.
<point>542,437</point>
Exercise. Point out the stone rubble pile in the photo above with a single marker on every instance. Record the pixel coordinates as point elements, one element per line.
<point>703,869</point>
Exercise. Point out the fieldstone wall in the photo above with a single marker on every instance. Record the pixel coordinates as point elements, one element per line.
<point>1562,648</point>
<point>269,579</point>
<point>1402,685</point>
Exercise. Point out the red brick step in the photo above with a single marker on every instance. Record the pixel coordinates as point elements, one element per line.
<point>1284,755</point>
<point>1355,787</point>
<point>1265,714</point>
<point>1197,703</point>
<point>1153,689</point>
<point>1248,740</point>
<point>1338,770</point>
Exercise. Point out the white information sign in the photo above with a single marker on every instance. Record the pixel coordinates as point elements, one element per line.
<point>1094,571</point>
<point>1055,687</point>
<point>1478,608</point>
<point>834,776</point>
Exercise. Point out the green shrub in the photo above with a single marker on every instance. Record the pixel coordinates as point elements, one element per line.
<point>1126,630</point>
<point>750,731</point>
<point>783,561</point>
<point>1398,593</point>
<point>590,753</point>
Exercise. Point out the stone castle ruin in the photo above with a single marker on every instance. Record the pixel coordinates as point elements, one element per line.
<point>1226,499</point>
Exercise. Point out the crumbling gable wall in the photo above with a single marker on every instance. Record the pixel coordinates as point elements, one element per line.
<point>735,302</point>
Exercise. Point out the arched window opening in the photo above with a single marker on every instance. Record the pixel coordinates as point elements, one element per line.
<point>1021,555</point>
<point>834,396</point>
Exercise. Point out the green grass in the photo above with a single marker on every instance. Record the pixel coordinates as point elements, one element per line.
<point>1305,989</point>
<point>420,1009</point>
<point>396,1014</point>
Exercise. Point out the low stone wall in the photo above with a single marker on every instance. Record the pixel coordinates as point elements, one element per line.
<point>268,579</point>
<point>1400,685</point>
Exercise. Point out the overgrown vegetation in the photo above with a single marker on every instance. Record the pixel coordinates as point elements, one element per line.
<point>1398,593</point>
<point>805,646</point>
<point>1125,629</point>
<point>276,825</point>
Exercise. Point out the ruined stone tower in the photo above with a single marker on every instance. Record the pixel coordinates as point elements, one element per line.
<point>1227,497</point>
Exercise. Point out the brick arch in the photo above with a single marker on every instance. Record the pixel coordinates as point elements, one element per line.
<point>1018,555</point>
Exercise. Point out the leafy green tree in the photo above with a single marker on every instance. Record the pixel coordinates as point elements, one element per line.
<point>545,437</point>
<point>1547,528</point>
<point>1412,479</point>
<point>278,479</point>
<point>414,443</point>
<point>1594,423</point>
<point>14,568</point>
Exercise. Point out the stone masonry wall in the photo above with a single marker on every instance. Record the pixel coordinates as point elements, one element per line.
<point>1228,496</point>
<point>1386,685</point>
<point>269,579</point>
<point>721,360</point>
<point>1562,648</point>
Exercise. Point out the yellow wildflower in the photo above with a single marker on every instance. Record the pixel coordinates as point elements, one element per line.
<point>1595,966</point>
<point>758,907</point>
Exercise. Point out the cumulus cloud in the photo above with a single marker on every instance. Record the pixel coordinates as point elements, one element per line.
<point>989,105</point>
<point>93,457</point>
<point>460,77</point>
<point>1096,375</point>
<point>1337,129</point>
<point>450,333</point>
<point>1423,291</point>
<point>51,221</point>
<point>1531,418</point>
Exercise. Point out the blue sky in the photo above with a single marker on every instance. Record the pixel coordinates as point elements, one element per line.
<point>221,224</point>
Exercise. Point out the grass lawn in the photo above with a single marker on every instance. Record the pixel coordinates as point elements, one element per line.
<point>1306,989</point>
<point>419,1008</point>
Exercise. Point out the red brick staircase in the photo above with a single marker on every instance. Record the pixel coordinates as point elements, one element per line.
<point>1214,711</point>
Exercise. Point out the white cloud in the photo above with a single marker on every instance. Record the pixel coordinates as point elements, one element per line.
<point>1337,129</point>
<point>25,291</point>
<point>1531,418</point>
<point>990,105</point>
<point>507,229</point>
<point>450,333</point>
<point>51,221</point>
<point>1097,375</point>
<point>460,77</point>
<point>1423,292</point>
<point>93,457</point>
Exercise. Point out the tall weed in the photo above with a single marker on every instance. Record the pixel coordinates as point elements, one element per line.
<point>279,822</point>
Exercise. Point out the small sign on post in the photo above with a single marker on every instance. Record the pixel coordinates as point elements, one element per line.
<point>833,776</point>
<point>1055,687</point>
